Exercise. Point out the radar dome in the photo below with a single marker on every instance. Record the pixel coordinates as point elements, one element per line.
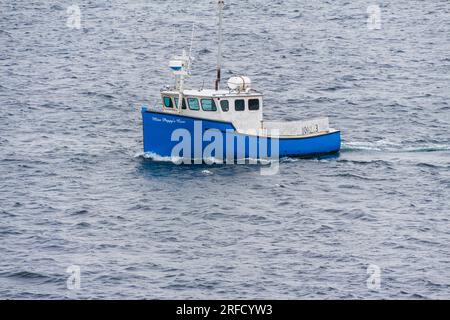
<point>239,84</point>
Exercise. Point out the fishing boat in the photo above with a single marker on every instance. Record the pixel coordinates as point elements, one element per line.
<point>226,124</point>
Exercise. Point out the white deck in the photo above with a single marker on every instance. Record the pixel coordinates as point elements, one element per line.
<point>298,128</point>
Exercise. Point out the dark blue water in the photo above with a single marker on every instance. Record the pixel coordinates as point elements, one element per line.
<point>75,190</point>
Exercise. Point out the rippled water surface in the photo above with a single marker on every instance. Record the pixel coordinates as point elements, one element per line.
<point>75,190</point>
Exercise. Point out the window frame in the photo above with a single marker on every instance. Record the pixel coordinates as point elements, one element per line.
<point>189,104</point>
<point>235,105</point>
<point>228,105</point>
<point>183,103</point>
<point>253,109</point>
<point>213,105</point>
<point>171,102</point>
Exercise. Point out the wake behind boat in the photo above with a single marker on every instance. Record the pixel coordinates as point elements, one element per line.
<point>227,123</point>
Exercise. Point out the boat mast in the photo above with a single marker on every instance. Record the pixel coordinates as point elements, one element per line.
<point>219,51</point>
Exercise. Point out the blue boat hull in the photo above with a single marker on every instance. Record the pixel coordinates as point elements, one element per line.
<point>158,129</point>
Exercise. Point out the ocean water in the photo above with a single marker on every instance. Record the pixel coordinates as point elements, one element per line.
<point>75,189</point>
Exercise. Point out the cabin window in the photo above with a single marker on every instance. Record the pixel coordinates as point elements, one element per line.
<point>193,104</point>
<point>253,104</point>
<point>239,105</point>
<point>168,102</point>
<point>225,105</point>
<point>208,105</point>
<point>183,103</point>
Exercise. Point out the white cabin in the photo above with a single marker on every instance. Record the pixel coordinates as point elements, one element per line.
<point>244,110</point>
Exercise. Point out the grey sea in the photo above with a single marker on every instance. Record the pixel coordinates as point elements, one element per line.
<point>83,214</point>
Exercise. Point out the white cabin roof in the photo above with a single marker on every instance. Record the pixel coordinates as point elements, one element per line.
<point>214,93</point>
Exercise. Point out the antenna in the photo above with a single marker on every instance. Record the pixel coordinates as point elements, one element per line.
<point>221,4</point>
<point>173,40</point>
<point>192,37</point>
<point>190,49</point>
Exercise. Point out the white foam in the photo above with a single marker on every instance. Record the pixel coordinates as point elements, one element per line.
<point>156,157</point>
<point>389,146</point>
